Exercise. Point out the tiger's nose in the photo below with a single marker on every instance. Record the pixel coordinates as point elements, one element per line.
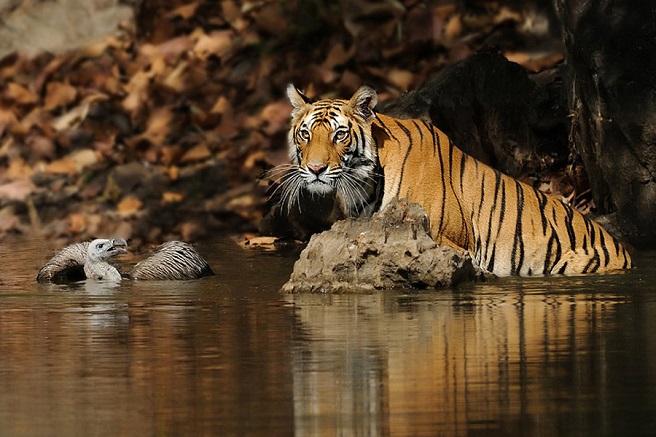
<point>317,169</point>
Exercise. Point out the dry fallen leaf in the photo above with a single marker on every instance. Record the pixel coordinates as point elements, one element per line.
<point>264,243</point>
<point>84,158</point>
<point>170,154</point>
<point>17,190</point>
<point>7,118</point>
<point>19,94</point>
<point>171,197</point>
<point>216,43</point>
<point>8,219</point>
<point>221,106</point>
<point>73,118</point>
<point>158,126</point>
<point>176,79</point>
<point>64,165</point>
<point>137,91</point>
<point>59,94</point>
<point>338,55</point>
<point>197,153</point>
<point>77,223</point>
<point>18,169</point>
<point>185,11</point>
<point>276,117</point>
<point>402,79</point>
<point>40,147</point>
<point>173,172</point>
<point>73,163</point>
<point>129,206</point>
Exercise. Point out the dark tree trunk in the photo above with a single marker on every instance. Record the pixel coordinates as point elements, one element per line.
<point>611,84</point>
<point>493,110</point>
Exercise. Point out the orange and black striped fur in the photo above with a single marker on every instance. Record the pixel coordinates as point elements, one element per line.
<point>508,227</point>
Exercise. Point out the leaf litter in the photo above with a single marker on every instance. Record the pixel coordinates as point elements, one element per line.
<point>164,132</point>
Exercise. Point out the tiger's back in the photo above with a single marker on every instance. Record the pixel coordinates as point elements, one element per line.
<point>507,226</point>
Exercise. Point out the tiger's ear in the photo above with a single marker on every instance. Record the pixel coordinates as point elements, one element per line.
<point>296,98</point>
<point>363,102</point>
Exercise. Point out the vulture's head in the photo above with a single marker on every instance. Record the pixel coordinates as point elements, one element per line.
<point>103,249</point>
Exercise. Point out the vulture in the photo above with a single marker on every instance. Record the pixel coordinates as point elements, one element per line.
<point>92,260</point>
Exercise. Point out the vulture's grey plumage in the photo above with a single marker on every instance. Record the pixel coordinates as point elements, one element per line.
<point>91,260</point>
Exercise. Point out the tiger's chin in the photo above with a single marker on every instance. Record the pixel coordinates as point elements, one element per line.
<point>319,188</point>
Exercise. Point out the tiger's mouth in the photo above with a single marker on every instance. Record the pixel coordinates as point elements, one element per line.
<point>319,186</point>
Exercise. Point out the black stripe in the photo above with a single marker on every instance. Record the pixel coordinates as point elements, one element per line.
<point>518,244</point>
<point>500,183</point>
<point>502,212</point>
<point>503,206</point>
<point>490,265</point>
<point>463,162</point>
<point>421,133</point>
<point>594,248</point>
<point>550,265</point>
<point>569,214</point>
<point>407,155</point>
<point>356,144</point>
<point>591,230</point>
<point>480,204</point>
<point>441,159</point>
<point>602,243</point>
<point>431,129</point>
<point>589,266</point>
<point>545,268</point>
<point>387,130</point>
<point>477,250</point>
<point>542,203</point>
<point>617,247</point>
<point>562,269</point>
<point>497,185</point>
<point>457,198</point>
<point>361,141</point>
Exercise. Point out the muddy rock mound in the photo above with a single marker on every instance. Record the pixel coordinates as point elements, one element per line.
<point>393,249</point>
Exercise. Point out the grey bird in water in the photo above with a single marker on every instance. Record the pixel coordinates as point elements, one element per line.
<point>92,260</point>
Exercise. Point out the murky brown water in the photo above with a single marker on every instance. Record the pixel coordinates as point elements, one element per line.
<point>229,356</point>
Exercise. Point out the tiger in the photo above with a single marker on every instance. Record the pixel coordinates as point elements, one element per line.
<point>365,159</point>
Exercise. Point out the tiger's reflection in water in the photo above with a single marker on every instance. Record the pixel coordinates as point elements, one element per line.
<point>452,363</point>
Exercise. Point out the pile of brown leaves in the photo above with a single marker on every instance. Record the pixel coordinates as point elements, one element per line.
<point>163,132</point>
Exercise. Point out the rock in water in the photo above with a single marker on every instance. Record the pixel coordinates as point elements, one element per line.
<point>393,249</point>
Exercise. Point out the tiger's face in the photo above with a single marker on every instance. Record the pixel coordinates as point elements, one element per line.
<point>331,149</point>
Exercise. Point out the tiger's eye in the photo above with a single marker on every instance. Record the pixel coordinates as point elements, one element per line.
<point>304,134</point>
<point>340,135</point>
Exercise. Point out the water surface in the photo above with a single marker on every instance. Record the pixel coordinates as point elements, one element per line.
<point>229,355</point>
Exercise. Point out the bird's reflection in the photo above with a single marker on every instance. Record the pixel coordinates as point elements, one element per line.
<point>101,287</point>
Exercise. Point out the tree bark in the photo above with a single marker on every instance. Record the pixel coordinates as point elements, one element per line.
<point>493,110</point>
<point>611,84</point>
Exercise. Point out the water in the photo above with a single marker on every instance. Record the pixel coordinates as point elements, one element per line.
<point>229,356</point>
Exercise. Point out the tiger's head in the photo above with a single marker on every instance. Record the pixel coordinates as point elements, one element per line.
<point>331,150</point>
